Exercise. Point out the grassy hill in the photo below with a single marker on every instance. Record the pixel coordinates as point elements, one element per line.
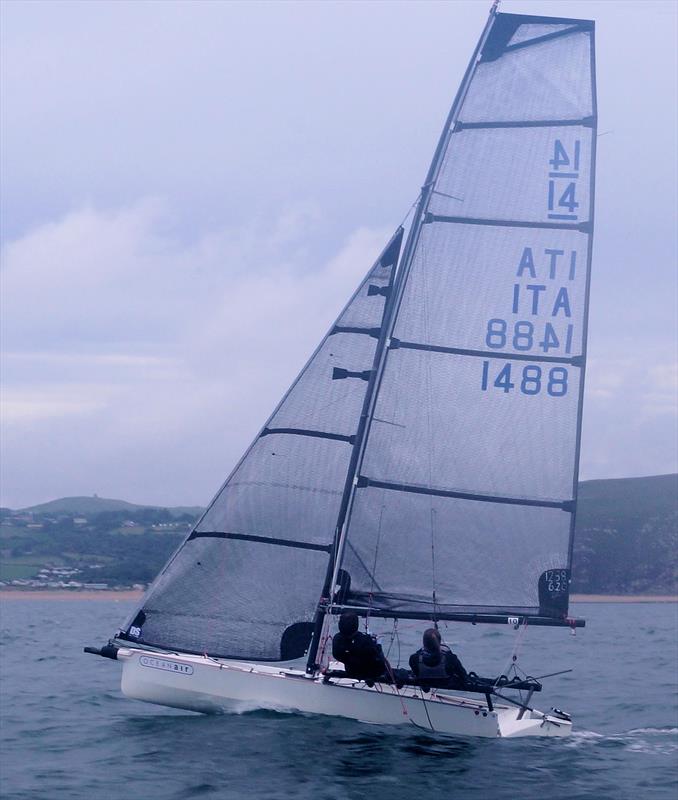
<point>96,505</point>
<point>627,536</point>
<point>626,540</point>
<point>629,496</point>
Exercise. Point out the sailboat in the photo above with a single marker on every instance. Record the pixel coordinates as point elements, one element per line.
<point>424,464</point>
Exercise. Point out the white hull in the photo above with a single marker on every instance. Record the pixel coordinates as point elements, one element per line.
<point>207,685</point>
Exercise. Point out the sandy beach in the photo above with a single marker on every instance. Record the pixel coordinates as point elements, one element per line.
<point>135,594</point>
<point>70,594</point>
<point>624,598</point>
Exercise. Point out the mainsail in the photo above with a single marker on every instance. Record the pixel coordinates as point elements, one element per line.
<point>465,494</point>
<point>246,582</point>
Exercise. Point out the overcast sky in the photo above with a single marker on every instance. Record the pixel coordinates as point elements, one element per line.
<point>191,190</point>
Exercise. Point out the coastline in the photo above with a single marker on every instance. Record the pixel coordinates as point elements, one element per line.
<point>136,594</point>
<point>70,594</point>
<point>624,598</point>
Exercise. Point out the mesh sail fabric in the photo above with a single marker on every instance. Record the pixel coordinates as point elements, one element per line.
<point>319,403</point>
<point>475,546</point>
<point>473,445</point>
<point>464,275</point>
<point>546,80</point>
<point>288,487</point>
<point>254,566</point>
<point>508,174</point>
<point>529,31</point>
<point>232,598</point>
<point>449,433</point>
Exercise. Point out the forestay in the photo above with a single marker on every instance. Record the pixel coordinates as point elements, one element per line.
<point>246,582</point>
<point>465,495</point>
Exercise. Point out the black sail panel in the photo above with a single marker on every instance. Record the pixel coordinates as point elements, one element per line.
<point>465,495</point>
<point>246,582</point>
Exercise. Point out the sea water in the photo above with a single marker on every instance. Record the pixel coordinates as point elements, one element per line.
<point>67,732</point>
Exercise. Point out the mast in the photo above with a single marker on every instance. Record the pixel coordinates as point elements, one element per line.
<point>390,257</point>
<point>393,301</point>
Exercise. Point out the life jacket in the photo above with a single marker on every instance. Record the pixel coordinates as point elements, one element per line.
<point>428,672</point>
<point>361,655</point>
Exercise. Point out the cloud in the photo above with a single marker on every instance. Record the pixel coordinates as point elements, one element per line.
<point>47,403</point>
<point>139,362</point>
<point>126,346</point>
<point>630,416</point>
<point>662,398</point>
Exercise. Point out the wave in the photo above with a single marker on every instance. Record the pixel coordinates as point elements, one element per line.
<point>670,731</point>
<point>637,740</point>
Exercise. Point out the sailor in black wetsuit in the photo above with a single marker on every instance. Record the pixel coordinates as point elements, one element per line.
<point>359,652</point>
<point>435,665</point>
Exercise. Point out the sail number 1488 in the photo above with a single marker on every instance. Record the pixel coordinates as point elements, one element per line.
<point>530,380</point>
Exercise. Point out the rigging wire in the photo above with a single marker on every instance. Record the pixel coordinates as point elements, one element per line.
<point>429,405</point>
<point>410,209</point>
<point>374,569</point>
<point>428,716</point>
<point>433,566</point>
<point>323,645</point>
<point>389,669</point>
<point>394,638</point>
<point>402,702</point>
<point>396,633</point>
<point>512,666</point>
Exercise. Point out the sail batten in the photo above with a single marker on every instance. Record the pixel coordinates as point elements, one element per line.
<point>338,437</point>
<point>585,122</point>
<point>459,351</point>
<point>434,491</point>
<point>582,227</point>
<point>245,537</point>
